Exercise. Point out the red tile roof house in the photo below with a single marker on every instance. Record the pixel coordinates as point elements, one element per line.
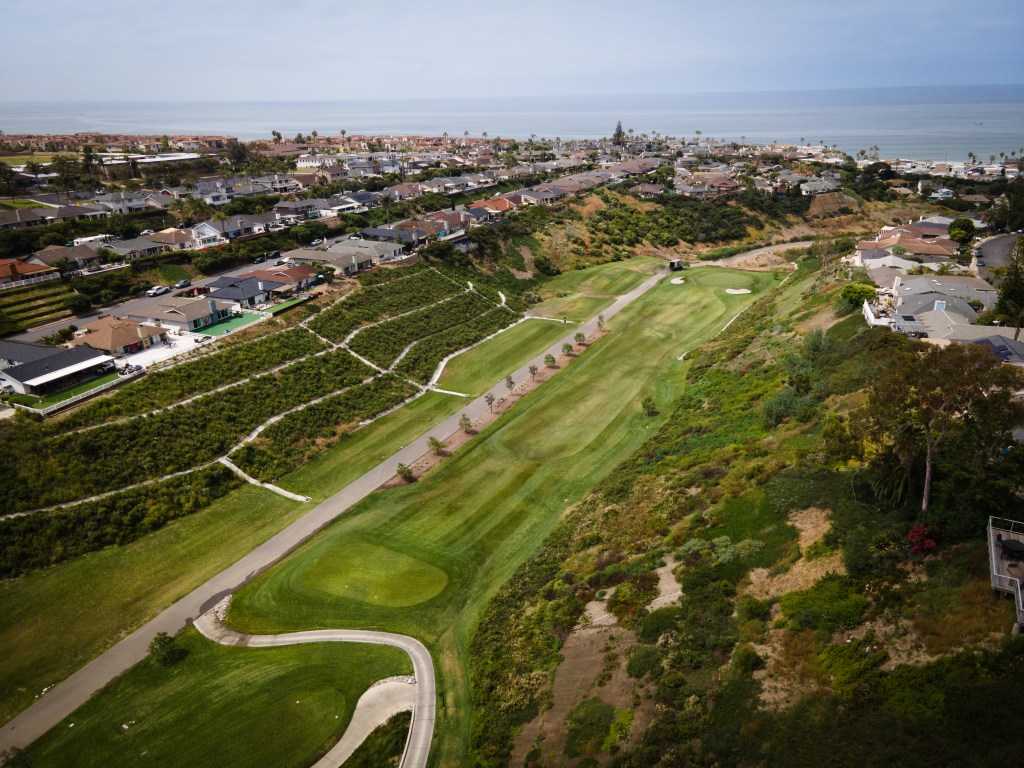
<point>496,206</point>
<point>119,336</point>
<point>14,271</point>
<point>293,278</point>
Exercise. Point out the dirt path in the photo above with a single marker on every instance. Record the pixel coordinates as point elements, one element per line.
<point>594,664</point>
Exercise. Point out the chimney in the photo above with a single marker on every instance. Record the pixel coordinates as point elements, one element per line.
<point>259,284</point>
<point>138,330</point>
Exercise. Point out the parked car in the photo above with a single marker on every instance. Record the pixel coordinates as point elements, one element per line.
<point>183,283</point>
<point>281,262</point>
<point>318,241</point>
<point>145,232</point>
<point>158,290</point>
<point>259,259</point>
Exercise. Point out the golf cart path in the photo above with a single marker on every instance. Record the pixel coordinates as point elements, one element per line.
<point>377,705</point>
<point>65,697</point>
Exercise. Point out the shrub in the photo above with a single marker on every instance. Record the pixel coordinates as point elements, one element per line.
<point>588,726</point>
<point>833,603</point>
<point>658,622</point>
<point>645,659</point>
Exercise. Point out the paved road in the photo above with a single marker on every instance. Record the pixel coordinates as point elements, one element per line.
<point>995,252</point>
<point>67,696</point>
<point>375,703</point>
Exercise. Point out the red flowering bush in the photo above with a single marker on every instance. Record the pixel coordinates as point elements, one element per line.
<point>922,540</point>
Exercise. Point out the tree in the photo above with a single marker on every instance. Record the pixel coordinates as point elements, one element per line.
<point>436,446</point>
<point>509,383</point>
<point>1010,305</point>
<point>35,169</point>
<point>465,424</point>
<point>855,294</point>
<point>489,399</point>
<point>533,371</point>
<point>649,406</point>
<point>600,321</point>
<point>549,361</point>
<point>405,473</point>
<point>8,183</point>
<point>961,230</point>
<point>579,338</point>
<point>162,649</point>
<point>567,348</point>
<point>928,393</point>
<point>619,136</point>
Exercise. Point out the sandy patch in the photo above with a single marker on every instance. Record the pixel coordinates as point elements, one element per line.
<point>812,524</point>
<point>737,291</point>
<point>678,280</point>
<point>527,255</point>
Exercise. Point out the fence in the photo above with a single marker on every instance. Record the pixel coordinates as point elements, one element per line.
<point>30,281</point>
<point>50,409</point>
<point>1003,581</point>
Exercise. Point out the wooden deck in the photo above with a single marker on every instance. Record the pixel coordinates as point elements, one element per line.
<point>1007,573</point>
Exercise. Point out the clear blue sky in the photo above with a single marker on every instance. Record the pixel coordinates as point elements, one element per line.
<point>335,49</point>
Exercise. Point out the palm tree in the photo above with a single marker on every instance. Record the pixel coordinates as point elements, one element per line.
<point>34,168</point>
<point>219,217</point>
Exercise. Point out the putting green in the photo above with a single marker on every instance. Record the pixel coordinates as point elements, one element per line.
<point>372,574</point>
<point>727,278</point>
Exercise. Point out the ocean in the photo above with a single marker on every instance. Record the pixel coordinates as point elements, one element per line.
<point>930,123</point>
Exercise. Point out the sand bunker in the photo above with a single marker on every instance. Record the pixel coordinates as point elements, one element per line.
<point>735,291</point>
<point>678,280</point>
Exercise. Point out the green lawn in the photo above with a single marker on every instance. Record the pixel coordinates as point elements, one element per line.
<point>484,510</point>
<point>230,324</point>
<point>366,448</point>
<point>222,706</point>
<point>479,369</point>
<point>579,295</point>
<point>64,394</point>
<point>14,204</point>
<point>52,622</point>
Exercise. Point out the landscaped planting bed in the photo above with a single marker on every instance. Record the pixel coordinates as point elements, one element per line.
<point>162,388</point>
<point>422,360</point>
<point>383,343</point>
<point>292,441</point>
<point>379,301</point>
<point>78,465</point>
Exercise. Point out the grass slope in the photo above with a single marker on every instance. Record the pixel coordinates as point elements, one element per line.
<point>54,621</point>
<point>475,371</point>
<point>482,512</point>
<point>222,706</point>
<point>579,295</point>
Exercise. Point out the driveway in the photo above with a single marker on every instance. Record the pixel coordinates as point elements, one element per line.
<point>995,252</point>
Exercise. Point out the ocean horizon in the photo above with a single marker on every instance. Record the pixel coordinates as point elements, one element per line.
<point>923,123</point>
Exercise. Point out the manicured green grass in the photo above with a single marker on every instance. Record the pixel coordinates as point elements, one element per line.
<point>230,324</point>
<point>222,706</point>
<point>479,369</point>
<point>15,204</point>
<point>367,447</point>
<point>54,621</point>
<point>286,305</point>
<point>64,394</point>
<point>581,294</point>
<point>376,575</point>
<point>39,157</point>
<point>484,510</point>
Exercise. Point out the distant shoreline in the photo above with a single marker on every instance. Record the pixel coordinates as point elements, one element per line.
<point>936,123</point>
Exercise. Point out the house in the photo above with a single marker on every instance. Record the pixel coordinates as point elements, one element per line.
<point>495,206</point>
<point>75,257</point>
<point>410,239</point>
<point>243,291</point>
<point>301,210</point>
<point>131,249</point>
<point>377,252</point>
<point>647,190</point>
<point>21,217</point>
<point>291,278</point>
<point>119,336</point>
<point>366,199</point>
<point>539,196</point>
<point>195,238</point>
<point>122,202</point>
<point>332,174</point>
<point>183,314</point>
<point>35,369</point>
<point>407,191</point>
<point>242,224</point>
<point>14,271</point>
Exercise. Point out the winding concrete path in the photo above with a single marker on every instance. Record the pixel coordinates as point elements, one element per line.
<point>376,705</point>
<point>65,697</point>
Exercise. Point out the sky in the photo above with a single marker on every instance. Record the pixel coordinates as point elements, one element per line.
<point>255,50</point>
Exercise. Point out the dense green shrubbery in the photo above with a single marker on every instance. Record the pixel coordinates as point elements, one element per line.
<point>121,454</point>
<point>288,443</point>
<point>382,299</point>
<point>47,538</point>
<point>422,360</point>
<point>382,343</point>
<point>833,603</point>
<point>192,377</point>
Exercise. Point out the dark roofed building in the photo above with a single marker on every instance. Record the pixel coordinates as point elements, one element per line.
<point>39,370</point>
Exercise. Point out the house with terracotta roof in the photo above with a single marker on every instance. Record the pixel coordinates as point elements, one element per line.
<point>14,271</point>
<point>119,336</point>
<point>290,279</point>
<point>195,238</point>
